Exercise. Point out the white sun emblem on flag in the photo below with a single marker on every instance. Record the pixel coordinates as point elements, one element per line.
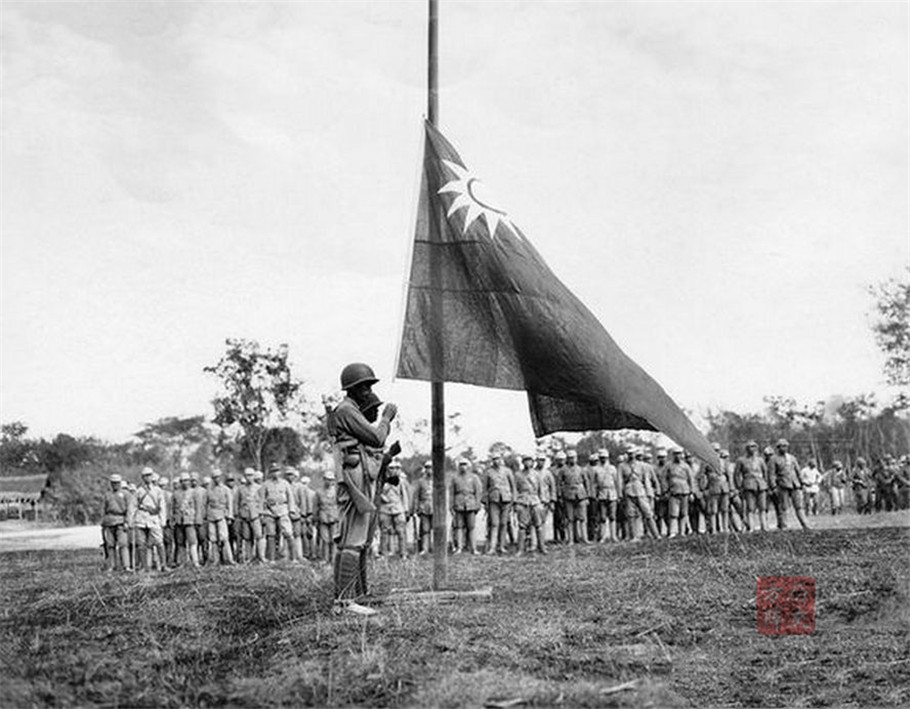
<point>465,189</point>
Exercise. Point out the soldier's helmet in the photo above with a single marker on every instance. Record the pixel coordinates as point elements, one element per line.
<point>291,472</point>
<point>838,464</point>
<point>216,474</point>
<point>593,458</point>
<point>603,453</point>
<point>115,478</point>
<point>571,454</point>
<point>275,468</point>
<point>541,455</point>
<point>782,442</point>
<point>661,453</point>
<point>147,471</point>
<point>329,475</point>
<point>751,444</point>
<point>560,455</point>
<point>768,450</point>
<point>357,373</point>
<point>184,476</point>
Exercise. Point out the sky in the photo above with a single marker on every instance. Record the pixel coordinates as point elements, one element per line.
<point>718,182</point>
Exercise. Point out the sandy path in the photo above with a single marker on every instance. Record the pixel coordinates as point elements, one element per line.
<point>19,537</point>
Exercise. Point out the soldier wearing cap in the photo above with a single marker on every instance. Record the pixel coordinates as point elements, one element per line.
<point>661,502</point>
<point>560,525</point>
<point>607,492</point>
<point>697,507</point>
<point>528,505</point>
<point>592,507</point>
<point>251,540</point>
<point>233,524</point>
<point>310,524</point>
<point>394,505</point>
<point>652,486</point>
<point>297,512</point>
<point>637,494</point>
<point>572,482</point>
<point>737,505</point>
<point>860,481</point>
<point>784,474</point>
<point>326,516</point>
<point>810,476</point>
<point>167,524</point>
<point>218,503</point>
<point>201,493</point>
<point>277,503</point>
<point>678,482</point>
<point>183,515</point>
<point>114,510</point>
<point>147,520</point>
<point>751,477</point>
<point>500,494</point>
<point>547,488</point>
<point>422,507</point>
<point>716,488</point>
<point>834,482</point>
<point>465,493</point>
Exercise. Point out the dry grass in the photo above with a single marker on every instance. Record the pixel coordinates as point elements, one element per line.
<point>677,616</point>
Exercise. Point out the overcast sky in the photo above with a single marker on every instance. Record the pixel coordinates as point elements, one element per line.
<point>718,182</point>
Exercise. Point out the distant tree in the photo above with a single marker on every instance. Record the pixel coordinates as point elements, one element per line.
<point>258,393</point>
<point>16,451</point>
<point>892,327</point>
<point>174,443</point>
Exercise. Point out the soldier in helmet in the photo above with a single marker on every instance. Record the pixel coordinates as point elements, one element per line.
<point>277,503</point>
<point>527,505</point>
<point>251,540</point>
<point>678,483</point>
<point>547,488</point>
<point>183,514</point>
<point>500,495</point>
<point>297,511</point>
<point>147,520</point>
<point>560,525</point>
<point>608,491</point>
<point>394,505</point>
<point>354,435</point>
<point>115,508</point>
<point>218,504</point>
<point>784,473</point>
<point>326,515</point>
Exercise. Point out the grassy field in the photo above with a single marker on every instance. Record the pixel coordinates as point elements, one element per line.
<point>676,617</point>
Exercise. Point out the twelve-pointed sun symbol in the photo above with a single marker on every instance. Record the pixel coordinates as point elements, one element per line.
<point>465,189</point>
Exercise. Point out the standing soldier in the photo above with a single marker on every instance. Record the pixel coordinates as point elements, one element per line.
<point>465,493</point>
<point>528,507</point>
<point>627,513</point>
<point>736,503</point>
<point>217,510</point>
<point>251,541</point>
<point>678,483</point>
<point>608,491</point>
<point>183,516</point>
<point>751,476</point>
<point>652,488</point>
<point>147,521</point>
<point>276,512</point>
<point>114,510</point>
<point>785,482</point>
<point>200,494</point>
<point>230,481</point>
<point>547,488</point>
<point>811,478</point>
<point>326,515</point>
<point>697,507</point>
<point>422,508</point>
<point>500,493</point>
<point>297,511</point>
<point>574,495</point>
<point>716,486</point>
<point>860,482</point>
<point>637,494</point>
<point>660,504</point>
<point>167,525</point>
<point>394,506</point>
<point>354,434</point>
<point>835,483</point>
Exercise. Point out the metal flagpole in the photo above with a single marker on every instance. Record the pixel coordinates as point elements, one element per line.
<point>437,394</point>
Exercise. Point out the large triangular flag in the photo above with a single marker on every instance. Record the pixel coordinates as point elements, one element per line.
<point>503,319</point>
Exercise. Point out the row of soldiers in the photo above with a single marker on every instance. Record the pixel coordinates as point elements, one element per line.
<point>219,518</point>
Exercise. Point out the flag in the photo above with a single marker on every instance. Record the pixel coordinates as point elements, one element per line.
<point>503,319</point>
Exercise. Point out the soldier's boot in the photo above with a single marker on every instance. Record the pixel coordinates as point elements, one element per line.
<point>674,527</point>
<point>298,549</point>
<point>402,545</point>
<point>362,588</point>
<point>652,528</point>
<point>347,573</point>
<point>538,531</point>
<point>262,549</point>
<point>801,517</point>
<point>270,548</point>
<point>193,553</point>
<point>762,520</point>
<point>228,554</point>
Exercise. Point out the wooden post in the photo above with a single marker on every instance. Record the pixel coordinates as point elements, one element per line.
<point>437,393</point>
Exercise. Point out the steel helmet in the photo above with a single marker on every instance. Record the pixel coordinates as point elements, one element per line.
<point>357,373</point>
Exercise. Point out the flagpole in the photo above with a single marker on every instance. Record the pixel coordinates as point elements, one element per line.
<point>437,393</point>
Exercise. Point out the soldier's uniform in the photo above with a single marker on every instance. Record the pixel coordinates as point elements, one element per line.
<point>500,493</point>
<point>251,544</point>
<point>716,486</point>
<point>607,491</point>
<point>310,523</point>
<point>784,474</point>
<point>147,519</point>
<point>114,510</point>
<point>326,516</point>
<point>422,507</point>
<point>465,493</point>
<point>636,492</point>
<point>859,480</point>
<point>835,481</point>
<point>183,516</point>
<point>297,513</point>
<point>528,505</point>
<point>811,478</point>
<point>574,496</point>
<point>167,524</point>
<point>277,503</point>
<point>394,506</point>
<point>201,531</point>
<point>548,494</point>
<point>218,509</point>
<point>678,482</point>
<point>751,477</point>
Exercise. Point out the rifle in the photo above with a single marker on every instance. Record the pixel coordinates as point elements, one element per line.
<point>394,450</point>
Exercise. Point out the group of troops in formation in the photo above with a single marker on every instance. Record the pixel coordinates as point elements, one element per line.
<point>218,519</point>
<point>526,503</point>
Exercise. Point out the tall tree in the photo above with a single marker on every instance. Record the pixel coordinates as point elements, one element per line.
<point>258,393</point>
<point>892,327</point>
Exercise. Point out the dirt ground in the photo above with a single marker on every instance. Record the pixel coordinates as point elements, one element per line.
<point>668,623</point>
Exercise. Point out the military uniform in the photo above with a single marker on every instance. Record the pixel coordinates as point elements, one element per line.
<point>678,483</point>
<point>528,506</point>
<point>751,476</point>
<point>218,510</point>
<point>607,494</point>
<point>114,511</point>
<point>500,494</point>
<point>422,507</point>
<point>465,494</point>
<point>249,516</point>
<point>183,515</point>
<point>784,474</point>
<point>147,519</point>
<point>394,506</point>
<point>277,503</point>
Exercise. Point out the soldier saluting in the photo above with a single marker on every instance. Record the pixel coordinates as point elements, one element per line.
<point>354,435</point>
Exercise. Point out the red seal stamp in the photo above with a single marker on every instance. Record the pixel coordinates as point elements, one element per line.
<point>786,605</point>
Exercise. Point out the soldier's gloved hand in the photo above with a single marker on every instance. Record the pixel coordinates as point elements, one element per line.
<point>389,412</point>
